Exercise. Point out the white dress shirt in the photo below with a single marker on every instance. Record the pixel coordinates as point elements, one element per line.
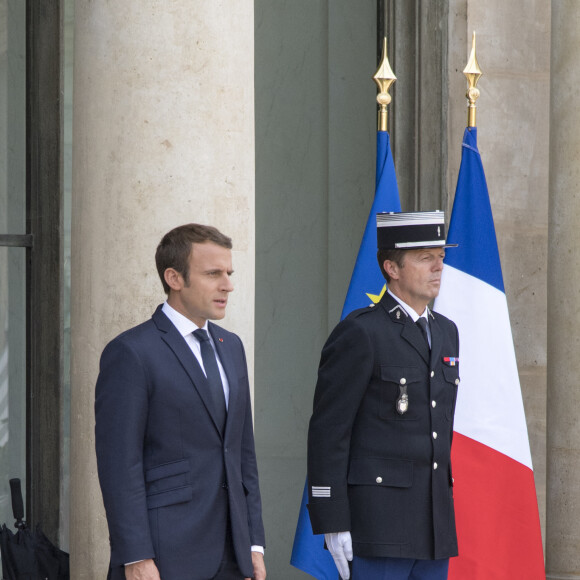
<point>186,327</point>
<point>413,314</point>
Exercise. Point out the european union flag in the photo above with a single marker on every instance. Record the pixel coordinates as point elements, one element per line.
<point>366,285</point>
<point>367,277</point>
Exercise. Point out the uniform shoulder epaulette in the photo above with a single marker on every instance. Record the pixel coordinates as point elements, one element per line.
<point>361,311</point>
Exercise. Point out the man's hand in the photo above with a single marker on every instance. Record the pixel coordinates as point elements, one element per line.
<point>340,547</point>
<point>144,570</point>
<point>259,566</point>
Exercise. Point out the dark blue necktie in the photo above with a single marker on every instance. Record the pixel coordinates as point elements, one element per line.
<point>213,376</point>
<point>422,324</point>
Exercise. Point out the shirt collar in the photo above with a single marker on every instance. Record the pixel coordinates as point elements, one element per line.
<point>410,311</point>
<point>182,323</point>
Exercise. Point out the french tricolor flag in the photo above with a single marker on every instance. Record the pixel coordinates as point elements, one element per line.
<point>498,526</point>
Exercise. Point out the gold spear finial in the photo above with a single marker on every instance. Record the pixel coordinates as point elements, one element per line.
<point>472,72</point>
<point>384,77</point>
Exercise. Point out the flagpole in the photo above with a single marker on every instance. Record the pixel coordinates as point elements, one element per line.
<point>384,77</point>
<point>472,72</point>
<point>381,27</point>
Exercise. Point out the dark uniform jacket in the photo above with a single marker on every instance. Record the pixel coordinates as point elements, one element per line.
<point>170,477</point>
<point>383,476</point>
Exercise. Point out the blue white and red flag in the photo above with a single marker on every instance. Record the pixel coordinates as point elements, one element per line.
<point>498,526</point>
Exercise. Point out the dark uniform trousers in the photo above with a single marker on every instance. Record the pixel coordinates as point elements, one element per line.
<point>399,569</point>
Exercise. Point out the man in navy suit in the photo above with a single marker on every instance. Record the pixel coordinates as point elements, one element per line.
<point>379,443</point>
<point>174,436</point>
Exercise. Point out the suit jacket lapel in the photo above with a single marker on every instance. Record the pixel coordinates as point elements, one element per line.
<point>187,359</point>
<point>409,330</point>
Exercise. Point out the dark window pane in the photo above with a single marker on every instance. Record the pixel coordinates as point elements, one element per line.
<point>12,373</point>
<point>12,116</point>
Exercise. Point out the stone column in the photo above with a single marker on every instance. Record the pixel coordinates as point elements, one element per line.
<point>163,135</point>
<point>563,440</point>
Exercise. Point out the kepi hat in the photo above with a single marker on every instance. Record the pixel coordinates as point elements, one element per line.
<point>411,230</point>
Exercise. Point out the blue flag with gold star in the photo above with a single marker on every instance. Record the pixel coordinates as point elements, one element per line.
<point>367,282</point>
<point>367,285</point>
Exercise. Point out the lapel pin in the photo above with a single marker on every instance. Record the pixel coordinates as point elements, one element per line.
<point>221,339</point>
<point>398,315</point>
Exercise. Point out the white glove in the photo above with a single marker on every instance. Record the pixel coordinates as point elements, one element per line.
<point>339,545</point>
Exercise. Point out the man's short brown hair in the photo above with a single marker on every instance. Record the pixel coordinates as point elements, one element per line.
<point>175,248</point>
<point>393,255</point>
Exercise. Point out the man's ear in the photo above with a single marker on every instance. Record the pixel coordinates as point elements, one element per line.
<point>173,279</point>
<point>392,269</point>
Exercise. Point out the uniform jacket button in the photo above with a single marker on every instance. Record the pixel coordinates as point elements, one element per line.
<point>379,480</point>
<point>435,465</point>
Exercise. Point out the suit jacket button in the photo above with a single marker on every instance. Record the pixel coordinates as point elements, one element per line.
<point>379,480</point>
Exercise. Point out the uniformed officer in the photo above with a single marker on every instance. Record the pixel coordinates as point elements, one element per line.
<point>379,442</point>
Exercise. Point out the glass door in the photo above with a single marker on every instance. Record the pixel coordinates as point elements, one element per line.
<point>14,242</point>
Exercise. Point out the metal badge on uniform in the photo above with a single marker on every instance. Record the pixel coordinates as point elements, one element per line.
<point>402,405</point>
<point>397,311</point>
<point>450,360</point>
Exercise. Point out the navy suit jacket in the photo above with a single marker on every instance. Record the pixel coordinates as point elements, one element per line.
<point>383,476</point>
<point>168,475</point>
